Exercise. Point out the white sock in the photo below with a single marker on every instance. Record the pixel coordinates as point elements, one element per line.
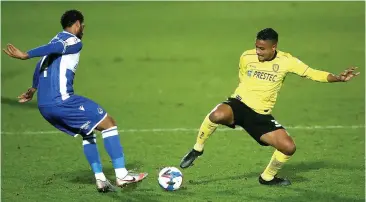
<point>100,176</point>
<point>121,172</point>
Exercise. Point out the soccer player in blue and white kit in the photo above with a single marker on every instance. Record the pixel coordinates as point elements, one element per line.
<point>68,112</point>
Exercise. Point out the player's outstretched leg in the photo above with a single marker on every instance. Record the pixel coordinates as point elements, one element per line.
<point>285,148</point>
<point>92,155</point>
<point>114,149</point>
<point>221,114</point>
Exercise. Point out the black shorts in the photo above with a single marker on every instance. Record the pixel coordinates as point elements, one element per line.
<point>254,123</point>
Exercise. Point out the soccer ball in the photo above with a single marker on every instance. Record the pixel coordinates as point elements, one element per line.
<point>170,178</point>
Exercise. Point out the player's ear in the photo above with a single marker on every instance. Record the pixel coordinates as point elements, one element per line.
<point>77,24</point>
<point>274,46</point>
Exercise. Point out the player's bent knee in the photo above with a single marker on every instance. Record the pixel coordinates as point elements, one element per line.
<point>107,123</point>
<point>222,114</point>
<point>288,148</point>
<point>218,117</point>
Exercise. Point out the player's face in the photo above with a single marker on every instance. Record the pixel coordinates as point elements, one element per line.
<point>80,30</point>
<point>265,49</point>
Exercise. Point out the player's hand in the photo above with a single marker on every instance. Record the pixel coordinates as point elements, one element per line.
<point>348,74</point>
<point>13,52</point>
<point>27,96</point>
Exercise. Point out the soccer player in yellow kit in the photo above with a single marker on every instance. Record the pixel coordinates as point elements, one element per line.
<point>261,72</point>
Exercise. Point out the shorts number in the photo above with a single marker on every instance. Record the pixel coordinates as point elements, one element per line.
<point>276,123</point>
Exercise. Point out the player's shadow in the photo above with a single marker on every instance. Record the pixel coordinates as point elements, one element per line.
<point>302,195</point>
<point>289,171</point>
<point>292,172</point>
<point>13,102</point>
<point>128,193</point>
<point>133,197</point>
<point>86,176</point>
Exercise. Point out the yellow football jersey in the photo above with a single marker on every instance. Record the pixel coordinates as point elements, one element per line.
<point>260,82</point>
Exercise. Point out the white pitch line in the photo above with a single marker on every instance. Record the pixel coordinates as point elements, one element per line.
<point>165,130</point>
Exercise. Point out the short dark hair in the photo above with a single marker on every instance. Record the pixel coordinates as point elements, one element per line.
<point>70,17</point>
<point>268,34</point>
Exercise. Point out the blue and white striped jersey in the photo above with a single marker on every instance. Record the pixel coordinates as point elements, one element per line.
<point>56,71</point>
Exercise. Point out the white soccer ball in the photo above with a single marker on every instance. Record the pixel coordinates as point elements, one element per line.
<point>170,178</point>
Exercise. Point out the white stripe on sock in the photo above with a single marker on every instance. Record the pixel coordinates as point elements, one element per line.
<point>90,140</point>
<point>109,129</point>
<point>110,132</point>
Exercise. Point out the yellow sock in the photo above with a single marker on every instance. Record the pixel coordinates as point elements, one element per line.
<point>206,129</point>
<point>276,163</point>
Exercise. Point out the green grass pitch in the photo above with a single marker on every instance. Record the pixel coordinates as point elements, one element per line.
<point>165,65</point>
